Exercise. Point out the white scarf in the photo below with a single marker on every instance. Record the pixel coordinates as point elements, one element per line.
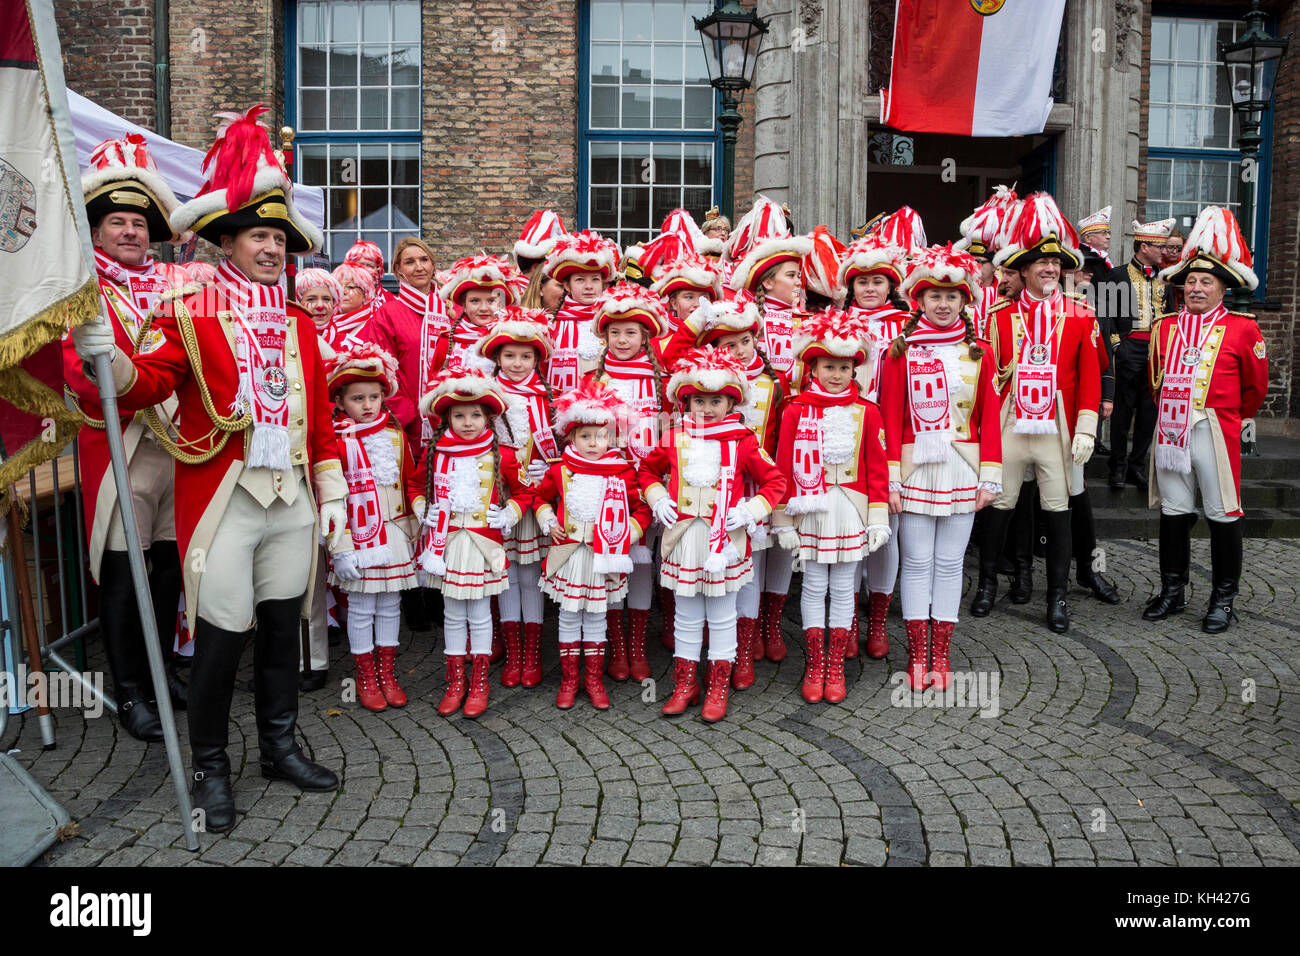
<point>1036,375</point>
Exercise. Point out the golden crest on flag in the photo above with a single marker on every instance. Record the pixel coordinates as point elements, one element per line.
<point>986,8</point>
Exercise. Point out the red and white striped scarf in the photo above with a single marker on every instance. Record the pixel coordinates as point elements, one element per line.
<point>365,509</point>
<point>778,334</point>
<point>808,461</point>
<point>728,432</point>
<point>1181,363</point>
<point>885,325</point>
<point>434,322</point>
<point>533,391</point>
<point>344,330</point>
<point>928,389</point>
<point>261,329</point>
<point>448,449</point>
<point>130,292</point>
<point>644,432</point>
<point>465,335</point>
<point>988,295</point>
<point>1036,375</point>
<point>566,330</point>
<point>611,539</point>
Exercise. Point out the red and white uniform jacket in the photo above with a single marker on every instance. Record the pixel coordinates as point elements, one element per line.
<point>550,503</point>
<point>410,335</point>
<point>1229,385</point>
<point>402,501</point>
<point>638,391</point>
<point>472,516</point>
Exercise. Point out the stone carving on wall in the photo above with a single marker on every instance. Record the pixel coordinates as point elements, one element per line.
<point>1126,12</point>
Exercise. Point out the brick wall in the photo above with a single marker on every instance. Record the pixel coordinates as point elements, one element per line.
<point>108,54</point>
<point>500,125</point>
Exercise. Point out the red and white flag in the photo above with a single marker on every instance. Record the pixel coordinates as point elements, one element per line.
<point>972,67</point>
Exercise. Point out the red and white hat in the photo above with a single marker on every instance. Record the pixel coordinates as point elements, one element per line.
<point>648,260</point>
<point>821,267</point>
<point>831,333</point>
<point>1155,232</point>
<point>681,223</point>
<point>1215,245</point>
<point>980,229</point>
<point>585,251</point>
<point>1034,228</point>
<point>689,272</point>
<point>245,186</point>
<point>760,241</point>
<point>478,272</point>
<point>942,267</point>
<point>903,228</point>
<point>707,372</point>
<point>1099,221</point>
<point>542,231</point>
<point>518,326</point>
<point>313,278</point>
<point>714,320</point>
<point>123,178</point>
<point>592,403</point>
<point>629,302</point>
<point>872,255</point>
<point>459,384</point>
<point>363,362</point>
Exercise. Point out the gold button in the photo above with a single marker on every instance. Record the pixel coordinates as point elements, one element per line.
<point>569,529</point>
<point>298,421</point>
<point>478,516</point>
<point>297,386</point>
<point>686,502</point>
<point>292,353</point>
<point>848,472</point>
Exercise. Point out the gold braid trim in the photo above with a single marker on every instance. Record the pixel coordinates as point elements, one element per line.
<point>49,324</point>
<point>29,394</point>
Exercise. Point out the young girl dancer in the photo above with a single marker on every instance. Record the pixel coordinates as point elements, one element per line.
<point>519,345</point>
<point>833,446</point>
<point>384,494</point>
<point>628,320</point>
<point>474,495</point>
<point>476,289</point>
<point>695,483</point>
<point>590,505</point>
<point>584,264</point>
<point>944,436</point>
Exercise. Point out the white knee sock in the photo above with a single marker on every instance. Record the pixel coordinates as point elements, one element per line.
<point>882,565</point>
<point>455,630</point>
<point>951,537</point>
<point>361,622</point>
<point>779,571</point>
<point>570,626</point>
<point>812,600</point>
<point>840,586</point>
<point>747,598</point>
<point>721,614</point>
<point>688,627</point>
<point>509,599</point>
<point>593,627</point>
<point>478,614</point>
<point>640,586</point>
<point>530,594</point>
<point>388,618</point>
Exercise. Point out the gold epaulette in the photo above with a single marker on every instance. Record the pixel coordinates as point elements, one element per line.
<point>997,304</point>
<point>1245,315</point>
<point>173,294</point>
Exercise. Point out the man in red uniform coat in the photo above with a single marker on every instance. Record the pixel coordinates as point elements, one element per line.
<point>257,462</point>
<point>1209,372</point>
<point>128,204</point>
<point>1045,345</point>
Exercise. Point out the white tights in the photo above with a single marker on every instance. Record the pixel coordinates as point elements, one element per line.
<point>779,570</point>
<point>881,566</point>
<point>522,599</point>
<point>640,588</point>
<point>578,626</point>
<point>819,579</point>
<point>933,550</point>
<point>747,598</point>
<point>373,619</point>
<point>467,624</point>
<point>692,612</point>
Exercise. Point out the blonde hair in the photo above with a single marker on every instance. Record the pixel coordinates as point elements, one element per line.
<point>408,242</point>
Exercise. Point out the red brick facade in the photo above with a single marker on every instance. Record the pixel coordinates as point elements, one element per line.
<point>110,40</point>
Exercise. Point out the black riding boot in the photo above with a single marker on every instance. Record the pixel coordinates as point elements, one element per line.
<point>1024,527</point>
<point>212,685</point>
<point>995,531</point>
<point>1225,565</point>
<point>119,622</point>
<point>1058,569</point>
<point>275,691</point>
<point>1083,532</point>
<point>1175,561</point>
<point>165,588</point>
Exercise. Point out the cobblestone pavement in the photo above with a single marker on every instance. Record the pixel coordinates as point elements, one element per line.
<point>1117,743</point>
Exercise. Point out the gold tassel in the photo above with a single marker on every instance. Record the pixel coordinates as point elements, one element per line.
<point>50,324</point>
<point>28,393</point>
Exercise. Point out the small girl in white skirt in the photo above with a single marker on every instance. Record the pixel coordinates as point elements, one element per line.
<point>590,505</point>
<point>374,563</point>
<point>519,344</point>
<point>474,496</point>
<point>833,446</point>
<point>694,481</point>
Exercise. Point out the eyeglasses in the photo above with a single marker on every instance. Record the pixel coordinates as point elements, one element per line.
<point>1173,247</point>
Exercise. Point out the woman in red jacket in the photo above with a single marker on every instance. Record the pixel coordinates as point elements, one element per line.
<point>944,439</point>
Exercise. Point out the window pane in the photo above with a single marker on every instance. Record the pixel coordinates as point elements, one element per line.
<point>342,208</point>
<point>406,66</point>
<point>344,19</point>
<point>374,209</point>
<point>374,109</point>
<point>698,165</point>
<point>1187,42</point>
<point>604,106</point>
<point>605,20</point>
<point>636,107</point>
<point>311,165</point>
<point>636,207</point>
<point>665,200</point>
<point>1214,183</point>
<point>696,70</point>
<point>374,22</point>
<point>312,66</point>
<point>697,201</point>
<point>636,62</point>
<point>1220,125</point>
<point>343,66</point>
<point>405,164</point>
<point>1184,180</point>
<point>374,66</point>
<point>668,107</point>
<point>668,163</point>
<point>604,208</point>
<point>343,109</point>
<point>668,19</point>
<point>313,110</point>
<point>406,20</point>
<point>668,64</point>
<point>605,63</point>
<point>699,107</point>
<point>374,164</point>
<point>637,18</point>
<point>635,164</point>
<point>1158,126</point>
<point>1158,179</point>
<point>604,163</point>
<point>1160,83</point>
<point>406,108</point>
<point>1186,85</point>
<point>1185,130</point>
<point>406,210</point>
<point>1161,38</point>
<point>311,25</point>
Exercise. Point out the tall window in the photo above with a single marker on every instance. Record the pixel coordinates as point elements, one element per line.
<point>354,95</point>
<point>648,142</point>
<point>1193,159</point>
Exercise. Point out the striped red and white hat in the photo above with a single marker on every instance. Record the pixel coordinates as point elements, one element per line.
<point>584,251</point>
<point>479,272</point>
<point>542,231</point>
<point>903,228</point>
<point>980,229</point>
<point>680,222</point>
<point>1215,245</point>
<point>871,255</point>
<point>518,326</point>
<point>761,240</point>
<point>629,302</point>
<point>821,267</point>
<point>1035,228</point>
<point>942,267</point>
<point>124,178</point>
<point>689,272</point>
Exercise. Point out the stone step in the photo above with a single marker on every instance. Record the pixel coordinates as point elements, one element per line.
<point>1278,458</point>
<point>1143,524</point>
<point>1256,494</point>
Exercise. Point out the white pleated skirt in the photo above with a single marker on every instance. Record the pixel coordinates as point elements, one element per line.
<point>397,574</point>
<point>835,535</point>
<point>468,574</point>
<point>683,569</point>
<point>577,586</point>
<point>525,543</point>
<point>941,488</point>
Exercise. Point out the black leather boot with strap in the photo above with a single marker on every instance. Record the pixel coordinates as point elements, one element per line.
<point>212,685</point>
<point>1175,562</point>
<point>1225,565</point>
<point>1083,533</point>
<point>995,532</point>
<point>165,589</point>
<point>119,623</point>
<point>1058,569</point>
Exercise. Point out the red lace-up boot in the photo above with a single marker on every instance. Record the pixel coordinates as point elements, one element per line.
<point>852,639</point>
<point>686,689</point>
<point>667,617</point>
<point>617,650</point>
<point>637,662</point>
<point>498,642</point>
<point>455,695</point>
<point>531,674</point>
<point>877,614</point>
<point>940,643</point>
<point>742,674</point>
<point>814,675</point>
<point>476,701</point>
<point>918,637</point>
<point>715,701</point>
<point>386,658</point>
<point>570,663</point>
<point>369,695</point>
<point>834,690</point>
<point>513,670</point>
<point>773,640</point>
<point>593,666</point>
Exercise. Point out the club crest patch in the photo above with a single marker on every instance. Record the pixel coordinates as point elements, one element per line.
<point>986,8</point>
<point>1259,349</point>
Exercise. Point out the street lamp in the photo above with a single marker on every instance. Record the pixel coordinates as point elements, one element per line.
<point>731,36</point>
<point>1250,64</point>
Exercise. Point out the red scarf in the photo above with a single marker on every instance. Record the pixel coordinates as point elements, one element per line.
<point>261,329</point>
<point>130,293</point>
<point>1182,362</point>
<point>1036,365</point>
<point>566,329</point>
<point>885,325</point>
<point>640,397</point>
<point>808,464</point>
<point>533,391</point>
<point>612,536</point>
<point>778,334</point>
<point>344,330</point>
<point>929,393</point>
<point>365,509</point>
<point>448,449</point>
<point>988,295</point>
<point>728,433</point>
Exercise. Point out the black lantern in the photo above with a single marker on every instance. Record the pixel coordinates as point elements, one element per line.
<point>731,36</point>
<point>1250,64</point>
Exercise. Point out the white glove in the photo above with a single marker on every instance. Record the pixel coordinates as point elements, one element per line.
<point>877,535</point>
<point>501,519</point>
<point>665,509</point>
<point>345,566</point>
<point>739,517</point>
<point>430,517</point>
<point>333,522</point>
<point>537,469</point>
<point>93,338</point>
<point>1082,449</point>
<point>548,525</point>
<point>788,538</point>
